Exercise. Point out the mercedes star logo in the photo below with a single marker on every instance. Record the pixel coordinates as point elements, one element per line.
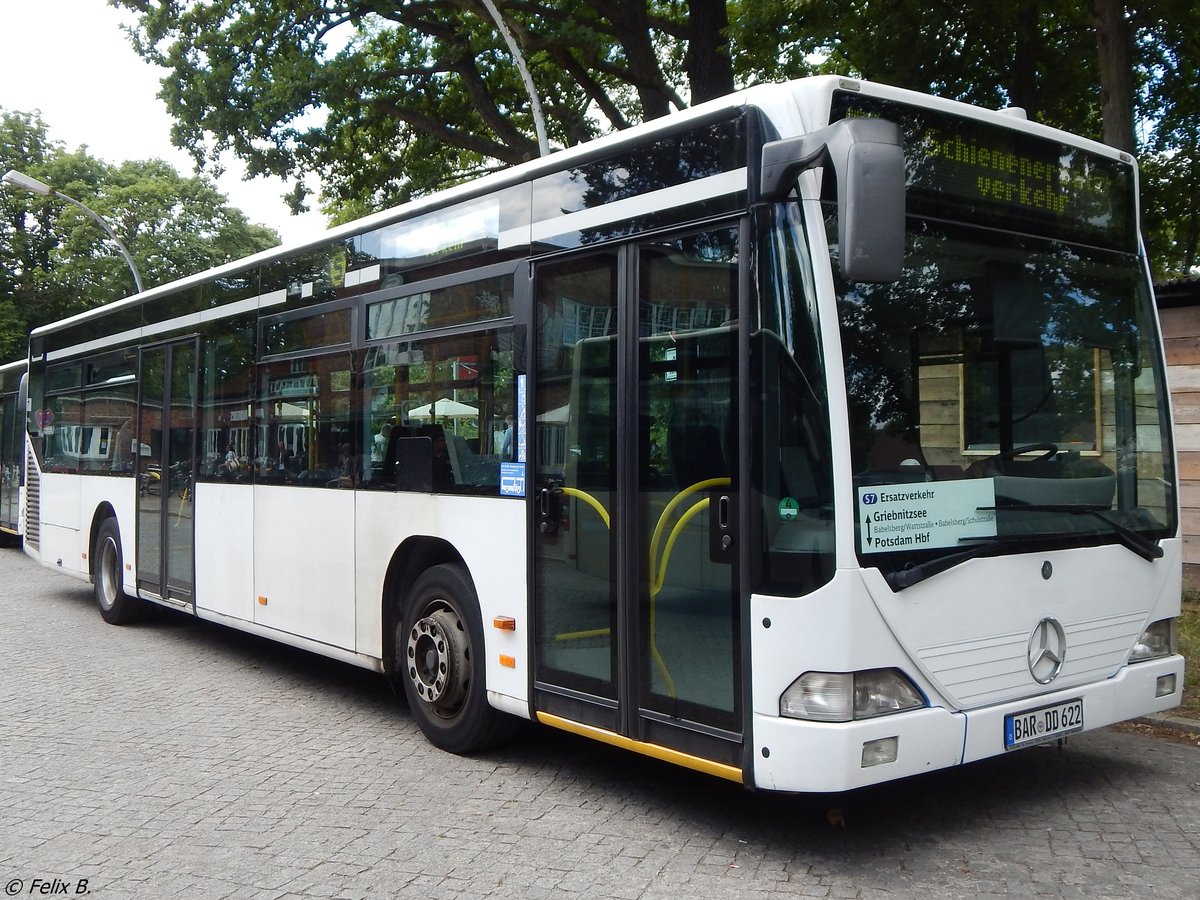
<point>1047,650</point>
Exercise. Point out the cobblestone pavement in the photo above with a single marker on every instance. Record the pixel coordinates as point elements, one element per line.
<point>178,759</point>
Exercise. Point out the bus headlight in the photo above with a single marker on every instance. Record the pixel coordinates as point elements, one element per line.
<point>1156,641</point>
<point>843,696</point>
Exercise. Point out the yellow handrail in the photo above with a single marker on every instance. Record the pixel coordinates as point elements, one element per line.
<point>661,575</point>
<point>591,501</point>
<point>656,587</point>
<point>582,635</point>
<point>658,568</point>
<point>670,508</point>
<point>603,513</point>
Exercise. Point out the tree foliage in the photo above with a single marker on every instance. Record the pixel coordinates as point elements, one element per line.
<point>385,99</point>
<point>1168,42</point>
<point>1125,73</point>
<point>361,91</point>
<point>55,261</point>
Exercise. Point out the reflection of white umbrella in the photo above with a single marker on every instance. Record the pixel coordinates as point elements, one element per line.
<point>444,409</point>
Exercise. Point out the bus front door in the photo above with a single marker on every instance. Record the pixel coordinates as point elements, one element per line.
<point>636,593</point>
<point>165,470</point>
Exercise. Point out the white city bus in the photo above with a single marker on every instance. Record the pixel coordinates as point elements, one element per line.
<point>812,437</point>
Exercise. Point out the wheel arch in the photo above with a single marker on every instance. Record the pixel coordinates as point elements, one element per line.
<point>414,556</point>
<point>103,512</point>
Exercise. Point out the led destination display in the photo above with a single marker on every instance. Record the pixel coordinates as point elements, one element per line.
<point>964,170</point>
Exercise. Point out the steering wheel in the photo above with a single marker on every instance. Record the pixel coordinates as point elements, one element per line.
<point>1049,451</point>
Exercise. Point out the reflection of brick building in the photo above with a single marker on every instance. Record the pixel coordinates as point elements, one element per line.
<point>1179,311</point>
<point>85,433</point>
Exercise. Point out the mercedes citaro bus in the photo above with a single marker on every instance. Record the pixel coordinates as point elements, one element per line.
<point>811,437</point>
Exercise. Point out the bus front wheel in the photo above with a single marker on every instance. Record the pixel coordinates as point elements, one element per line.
<point>439,644</point>
<point>116,607</point>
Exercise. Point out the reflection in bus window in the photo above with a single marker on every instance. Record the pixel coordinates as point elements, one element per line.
<point>84,426</point>
<point>308,438</point>
<point>458,394</point>
<point>289,335</point>
<point>791,432</point>
<point>226,386</point>
<point>459,304</point>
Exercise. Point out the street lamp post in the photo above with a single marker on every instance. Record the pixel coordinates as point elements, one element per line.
<point>25,182</point>
<point>535,102</point>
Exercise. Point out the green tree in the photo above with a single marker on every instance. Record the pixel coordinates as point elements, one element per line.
<point>1168,40</point>
<point>12,331</point>
<point>27,235</point>
<point>388,99</point>
<point>1125,73</point>
<point>55,261</point>
<point>1039,55</point>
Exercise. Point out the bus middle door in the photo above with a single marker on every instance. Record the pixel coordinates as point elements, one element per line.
<point>165,471</point>
<point>636,591</point>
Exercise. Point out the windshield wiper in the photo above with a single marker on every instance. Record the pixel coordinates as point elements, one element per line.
<point>1138,543</point>
<point>904,578</point>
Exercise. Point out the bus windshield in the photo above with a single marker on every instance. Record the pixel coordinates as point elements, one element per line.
<point>1005,393</point>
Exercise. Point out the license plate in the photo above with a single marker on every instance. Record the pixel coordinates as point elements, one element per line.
<point>1043,724</point>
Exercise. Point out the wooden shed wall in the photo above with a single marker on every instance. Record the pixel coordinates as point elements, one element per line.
<point>1181,335</point>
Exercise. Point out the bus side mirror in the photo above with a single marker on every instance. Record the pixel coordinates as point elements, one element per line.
<point>869,163</point>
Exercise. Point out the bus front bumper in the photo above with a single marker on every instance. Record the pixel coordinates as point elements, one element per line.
<point>801,756</point>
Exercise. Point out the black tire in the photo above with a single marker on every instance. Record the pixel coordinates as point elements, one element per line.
<point>439,649</point>
<point>116,607</point>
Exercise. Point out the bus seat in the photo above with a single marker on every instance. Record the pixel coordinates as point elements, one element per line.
<point>444,474</point>
<point>460,457</point>
<point>408,460</point>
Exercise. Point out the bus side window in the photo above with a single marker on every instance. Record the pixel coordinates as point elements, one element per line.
<point>457,392</point>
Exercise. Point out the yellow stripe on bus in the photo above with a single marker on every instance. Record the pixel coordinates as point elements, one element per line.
<point>707,766</point>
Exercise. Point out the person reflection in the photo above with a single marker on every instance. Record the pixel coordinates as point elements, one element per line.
<point>347,467</point>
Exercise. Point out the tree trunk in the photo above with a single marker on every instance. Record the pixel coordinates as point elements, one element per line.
<point>710,71</point>
<point>631,26</point>
<point>1023,88</point>
<point>1114,54</point>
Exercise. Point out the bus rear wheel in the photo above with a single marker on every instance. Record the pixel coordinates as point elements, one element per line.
<point>116,607</point>
<point>439,645</point>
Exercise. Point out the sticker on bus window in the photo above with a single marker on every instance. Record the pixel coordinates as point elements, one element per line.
<point>925,515</point>
<point>512,479</point>
<point>522,394</point>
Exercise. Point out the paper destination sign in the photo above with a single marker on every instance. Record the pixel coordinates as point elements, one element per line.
<point>925,515</point>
